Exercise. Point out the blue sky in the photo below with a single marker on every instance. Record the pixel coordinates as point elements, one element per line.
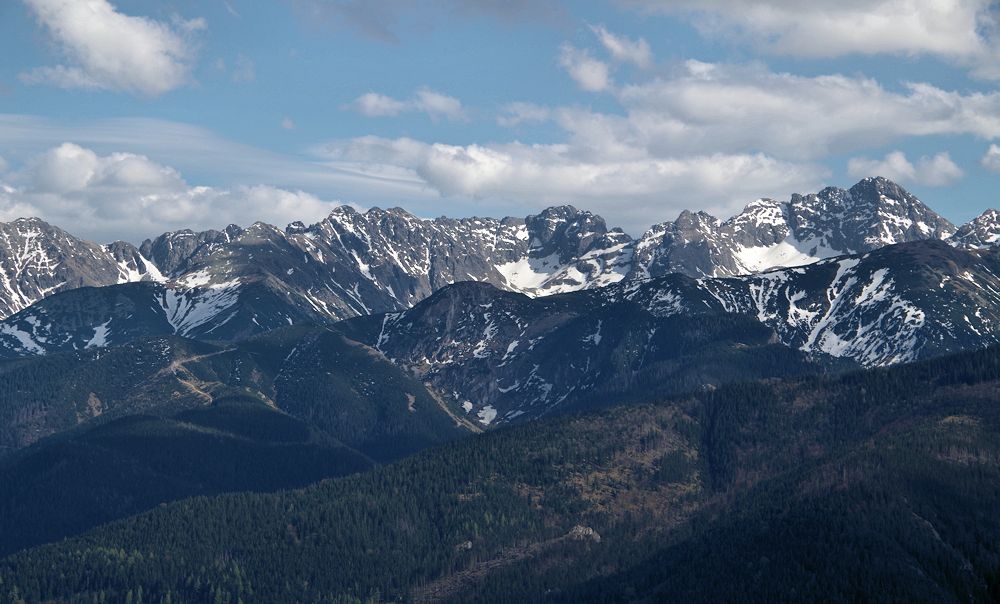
<point>125,118</point>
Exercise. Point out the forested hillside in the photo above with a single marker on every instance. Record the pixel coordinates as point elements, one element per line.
<point>824,488</point>
<point>99,435</point>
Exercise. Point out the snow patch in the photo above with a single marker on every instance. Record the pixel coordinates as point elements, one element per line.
<point>100,338</point>
<point>487,414</point>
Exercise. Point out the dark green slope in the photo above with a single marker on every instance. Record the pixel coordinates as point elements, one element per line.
<point>41,396</point>
<point>352,392</point>
<point>99,435</point>
<point>871,486</point>
<point>132,464</point>
<point>345,389</point>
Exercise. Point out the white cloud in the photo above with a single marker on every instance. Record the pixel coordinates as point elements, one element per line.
<point>624,49</point>
<point>189,25</point>
<point>118,195</point>
<point>828,28</point>
<point>936,171</point>
<point>425,100</point>
<point>589,73</point>
<point>287,123</point>
<point>633,192</point>
<point>70,168</point>
<point>374,104</point>
<point>109,50</point>
<point>436,104</point>
<point>991,159</point>
<point>708,107</point>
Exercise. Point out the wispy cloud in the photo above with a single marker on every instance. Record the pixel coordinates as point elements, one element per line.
<point>624,49</point>
<point>213,159</point>
<point>962,31</point>
<point>434,104</point>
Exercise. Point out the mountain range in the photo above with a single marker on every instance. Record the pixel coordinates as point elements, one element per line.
<point>353,263</point>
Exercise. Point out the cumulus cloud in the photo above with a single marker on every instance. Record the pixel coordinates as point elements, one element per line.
<point>109,50</point>
<point>991,159</point>
<point>124,195</point>
<point>624,49</point>
<point>631,191</point>
<point>827,28</point>
<point>936,171</point>
<point>425,100</point>
<point>71,168</point>
<point>589,73</point>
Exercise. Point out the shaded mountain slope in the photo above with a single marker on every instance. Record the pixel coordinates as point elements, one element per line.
<point>100,473</point>
<point>506,356</point>
<point>336,385</point>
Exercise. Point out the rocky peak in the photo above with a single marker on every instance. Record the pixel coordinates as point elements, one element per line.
<point>982,232</point>
<point>175,252</point>
<point>893,215</point>
<point>38,259</point>
<point>296,227</point>
<point>762,222</point>
<point>694,221</point>
<point>875,187</point>
<point>565,231</point>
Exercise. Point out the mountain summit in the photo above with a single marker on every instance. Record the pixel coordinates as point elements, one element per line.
<point>767,234</point>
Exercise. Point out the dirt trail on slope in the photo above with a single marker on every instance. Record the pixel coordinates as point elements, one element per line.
<point>184,375</point>
<point>459,421</point>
